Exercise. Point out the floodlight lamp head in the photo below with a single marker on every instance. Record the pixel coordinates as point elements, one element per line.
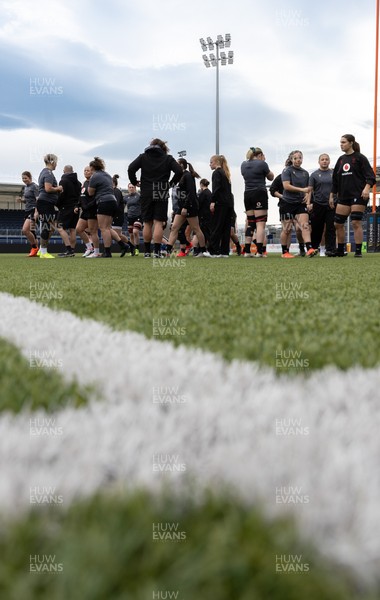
<point>203,44</point>
<point>206,60</point>
<point>210,43</point>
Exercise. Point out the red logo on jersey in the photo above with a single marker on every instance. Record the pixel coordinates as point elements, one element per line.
<point>346,167</point>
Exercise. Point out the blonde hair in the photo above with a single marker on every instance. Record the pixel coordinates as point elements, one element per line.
<point>49,159</point>
<point>252,152</point>
<point>222,162</point>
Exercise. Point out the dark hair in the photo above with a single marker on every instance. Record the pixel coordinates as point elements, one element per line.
<point>98,164</point>
<point>158,142</point>
<point>26,174</point>
<point>204,182</point>
<point>351,138</point>
<point>185,164</point>
<point>289,162</point>
<point>115,180</point>
<point>293,153</point>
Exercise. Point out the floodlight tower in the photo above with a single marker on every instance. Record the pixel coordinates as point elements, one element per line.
<point>212,60</point>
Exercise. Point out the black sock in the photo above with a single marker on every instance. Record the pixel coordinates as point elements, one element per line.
<point>341,247</point>
<point>264,249</point>
<point>358,248</point>
<point>147,247</point>
<point>284,249</point>
<point>247,248</point>
<point>34,246</point>
<point>169,248</point>
<point>121,244</point>
<point>259,247</point>
<point>157,248</point>
<point>203,249</point>
<point>308,245</point>
<point>107,251</point>
<point>301,246</point>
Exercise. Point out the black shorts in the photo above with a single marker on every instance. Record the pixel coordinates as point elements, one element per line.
<point>46,208</point>
<point>107,208</point>
<point>89,213</point>
<point>192,211</point>
<point>29,214</point>
<point>289,210</point>
<point>47,214</point>
<point>118,221</point>
<point>153,209</point>
<point>134,223</point>
<point>256,200</point>
<point>353,202</point>
<point>67,218</point>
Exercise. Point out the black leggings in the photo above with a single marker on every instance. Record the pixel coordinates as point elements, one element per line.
<point>221,230</point>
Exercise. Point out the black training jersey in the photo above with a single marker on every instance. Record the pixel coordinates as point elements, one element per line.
<point>69,198</point>
<point>277,186</point>
<point>204,201</point>
<point>351,174</point>
<point>156,167</point>
<point>187,192</point>
<point>221,188</point>
<point>120,203</point>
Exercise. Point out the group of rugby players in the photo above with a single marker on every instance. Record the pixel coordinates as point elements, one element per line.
<point>317,205</point>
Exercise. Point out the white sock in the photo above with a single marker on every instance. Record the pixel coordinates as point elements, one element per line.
<point>43,250</point>
<point>89,246</point>
<point>96,251</point>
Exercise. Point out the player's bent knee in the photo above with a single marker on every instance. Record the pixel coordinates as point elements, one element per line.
<point>340,219</point>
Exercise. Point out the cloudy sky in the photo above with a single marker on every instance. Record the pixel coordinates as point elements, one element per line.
<point>88,77</point>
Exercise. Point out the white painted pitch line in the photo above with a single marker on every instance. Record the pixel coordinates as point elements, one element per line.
<point>235,424</point>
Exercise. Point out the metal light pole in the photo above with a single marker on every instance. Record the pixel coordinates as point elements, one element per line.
<point>211,60</point>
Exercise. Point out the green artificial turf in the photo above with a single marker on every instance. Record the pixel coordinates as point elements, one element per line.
<point>296,315</point>
<point>24,385</point>
<point>103,549</point>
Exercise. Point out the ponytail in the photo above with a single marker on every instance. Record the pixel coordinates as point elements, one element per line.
<point>186,164</point>
<point>351,138</point>
<point>222,162</point>
<point>224,165</point>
